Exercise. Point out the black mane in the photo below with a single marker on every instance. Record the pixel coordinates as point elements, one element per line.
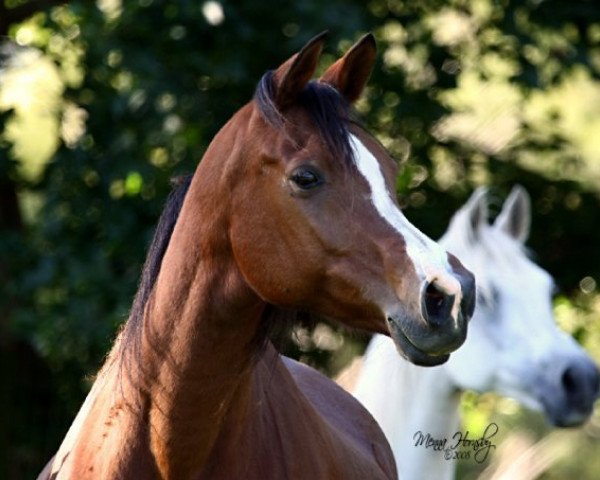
<point>327,108</point>
<point>131,336</point>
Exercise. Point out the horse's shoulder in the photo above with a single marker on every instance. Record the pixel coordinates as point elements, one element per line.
<point>329,397</point>
<point>343,412</point>
<point>321,388</point>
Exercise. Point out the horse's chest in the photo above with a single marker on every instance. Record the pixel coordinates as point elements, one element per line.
<point>294,449</point>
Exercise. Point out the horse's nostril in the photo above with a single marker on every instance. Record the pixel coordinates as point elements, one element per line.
<point>434,298</point>
<point>568,380</point>
<point>594,380</point>
<point>436,305</point>
<point>580,381</point>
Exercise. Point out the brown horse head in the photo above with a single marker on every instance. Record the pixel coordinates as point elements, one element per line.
<point>312,218</point>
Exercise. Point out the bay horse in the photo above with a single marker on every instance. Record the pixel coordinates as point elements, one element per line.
<point>291,208</point>
<point>514,347</point>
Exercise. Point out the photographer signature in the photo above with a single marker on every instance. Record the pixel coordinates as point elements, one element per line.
<point>460,447</point>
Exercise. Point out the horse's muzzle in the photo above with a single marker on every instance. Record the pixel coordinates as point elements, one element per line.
<point>446,306</point>
<point>569,392</point>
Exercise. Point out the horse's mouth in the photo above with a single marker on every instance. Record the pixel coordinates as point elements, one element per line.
<point>410,351</point>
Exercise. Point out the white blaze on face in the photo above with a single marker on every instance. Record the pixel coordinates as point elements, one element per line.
<point>429,259</point>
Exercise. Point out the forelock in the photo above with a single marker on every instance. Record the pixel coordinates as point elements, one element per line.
<point>329,111</point>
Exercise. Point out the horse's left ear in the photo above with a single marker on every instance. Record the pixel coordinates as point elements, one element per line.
<point>515,217</point>
<point>293,75</point>
<point>350,74</point>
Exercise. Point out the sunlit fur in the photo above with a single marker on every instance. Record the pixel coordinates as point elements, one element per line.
<point>513,347</point>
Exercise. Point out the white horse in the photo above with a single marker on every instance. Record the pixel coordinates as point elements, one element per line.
<point>513,348</point>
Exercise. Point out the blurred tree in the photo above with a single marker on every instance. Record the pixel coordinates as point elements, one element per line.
<point>22,436</point>
<point>507,90</point>
<point>485,92</point>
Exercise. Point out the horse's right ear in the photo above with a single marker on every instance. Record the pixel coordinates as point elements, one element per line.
<point>292,76</point>
<point>475,213</point>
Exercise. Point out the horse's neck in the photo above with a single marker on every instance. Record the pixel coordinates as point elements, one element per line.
<point>199,344</point>
<point>208,360</point>
<point>197,347</point>
<point>406,399</point>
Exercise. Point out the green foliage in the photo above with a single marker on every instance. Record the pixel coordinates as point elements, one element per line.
<point>483,91</point>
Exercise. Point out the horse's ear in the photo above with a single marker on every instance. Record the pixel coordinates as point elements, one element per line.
<point>350,74</point>
<point>292,76</point>
<point>474,214</point>
<point>515,217</point>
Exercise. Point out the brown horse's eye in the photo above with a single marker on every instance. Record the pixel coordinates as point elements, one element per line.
<point>306,178</point>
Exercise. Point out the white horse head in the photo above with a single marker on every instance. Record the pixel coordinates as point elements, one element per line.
<point>514,346</point>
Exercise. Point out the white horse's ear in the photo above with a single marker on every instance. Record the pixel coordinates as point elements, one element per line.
<point>515,217</point>
<point>473,216</point>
